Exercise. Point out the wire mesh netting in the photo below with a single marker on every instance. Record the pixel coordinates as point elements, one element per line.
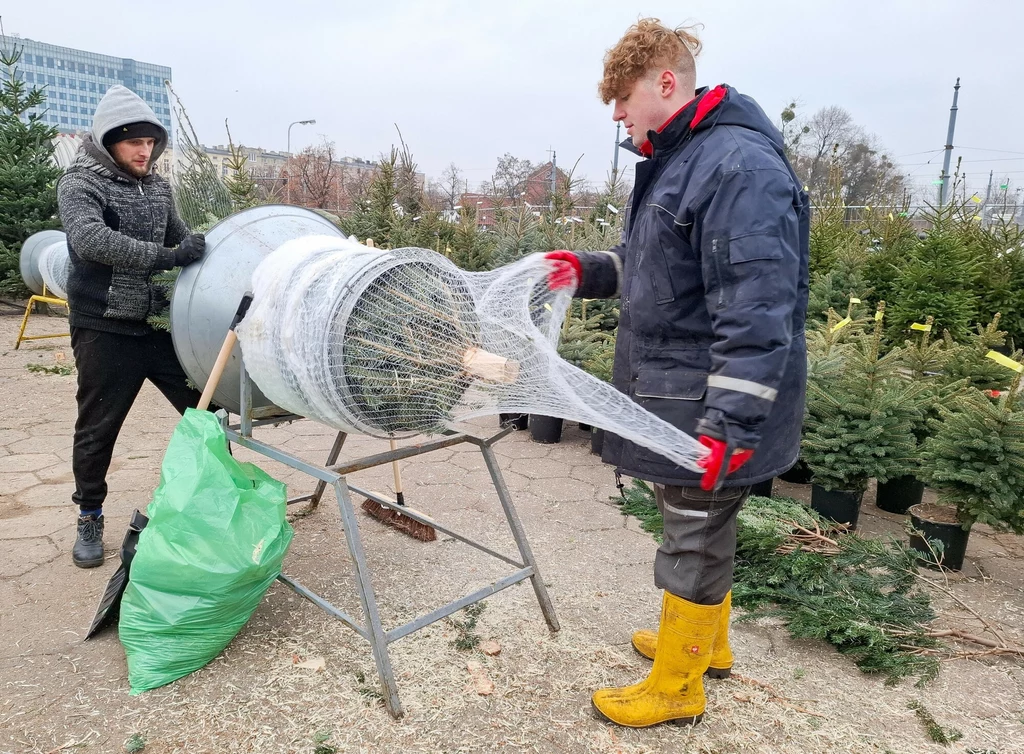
<point>403,342</point>
<point>54,266</point>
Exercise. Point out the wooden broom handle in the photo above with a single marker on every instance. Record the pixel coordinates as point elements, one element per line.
<point>225,353</point>
<point>397,473</point>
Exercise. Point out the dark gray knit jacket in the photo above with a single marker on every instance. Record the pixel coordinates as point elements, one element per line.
<point>118,227</point>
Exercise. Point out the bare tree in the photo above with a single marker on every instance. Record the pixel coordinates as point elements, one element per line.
<point>451,186</point>
<point>318,175</point>
<point>830,145</point>
<point>509,179</point>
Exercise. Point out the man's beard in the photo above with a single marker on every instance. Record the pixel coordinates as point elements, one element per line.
<point>133,171</point>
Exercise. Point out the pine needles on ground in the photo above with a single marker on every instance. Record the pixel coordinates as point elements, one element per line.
<point>857,594</point>
<point>936,732</point>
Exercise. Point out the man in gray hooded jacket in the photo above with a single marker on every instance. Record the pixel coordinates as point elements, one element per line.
<point>121,227</point>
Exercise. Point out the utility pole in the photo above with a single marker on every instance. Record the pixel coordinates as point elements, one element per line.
<point>988,193</point>
<point>615,159</point>
<point>943,188</point>
<point>554,173</point>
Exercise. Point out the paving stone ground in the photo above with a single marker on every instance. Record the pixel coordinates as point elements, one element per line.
<point>62,694</point>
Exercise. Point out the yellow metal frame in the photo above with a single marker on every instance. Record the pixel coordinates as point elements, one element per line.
<point>43,299</point>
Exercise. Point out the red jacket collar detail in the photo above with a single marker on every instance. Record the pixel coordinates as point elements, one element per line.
<point>707,103</point>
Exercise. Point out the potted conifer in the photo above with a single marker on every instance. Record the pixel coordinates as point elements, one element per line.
<point>975,461</point>
<point>859,421</point>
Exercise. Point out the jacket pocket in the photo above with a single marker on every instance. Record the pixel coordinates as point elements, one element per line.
<point>753,247</point>
<point>671,384</point>
<point>754,269</point>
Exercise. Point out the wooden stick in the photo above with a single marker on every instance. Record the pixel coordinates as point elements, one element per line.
<point>225,353</point>
<point>964,605</point>
<point>218,370</point>
<point>399,497</point>
<point>489,366</point>
<point>774,695</point>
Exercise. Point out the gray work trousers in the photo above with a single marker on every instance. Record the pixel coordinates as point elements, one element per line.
<point>695,559</point>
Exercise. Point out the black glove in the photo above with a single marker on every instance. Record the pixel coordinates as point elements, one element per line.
<point>190,250</point>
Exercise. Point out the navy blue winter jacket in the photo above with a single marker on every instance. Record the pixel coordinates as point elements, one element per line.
<point>712,274</point>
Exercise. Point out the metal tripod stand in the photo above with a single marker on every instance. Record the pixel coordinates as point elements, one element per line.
<point>334,474</point>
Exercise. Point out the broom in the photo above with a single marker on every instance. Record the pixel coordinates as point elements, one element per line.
<point>395,519</point>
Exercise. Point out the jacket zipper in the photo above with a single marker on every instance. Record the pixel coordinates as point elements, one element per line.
<point>718,271</point>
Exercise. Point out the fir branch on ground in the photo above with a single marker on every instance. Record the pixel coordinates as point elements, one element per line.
<point>859,595</point>
<point>61,369</point>
<point>467,637</point>
<point>936,732</point>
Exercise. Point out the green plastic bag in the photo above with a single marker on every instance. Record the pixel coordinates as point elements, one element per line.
<point>215,541</point>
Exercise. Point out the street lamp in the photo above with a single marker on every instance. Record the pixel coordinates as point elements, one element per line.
<point>288,185</point>
<point>296,123</point>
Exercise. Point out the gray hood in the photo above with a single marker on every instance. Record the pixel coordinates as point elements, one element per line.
<point>119,107</point>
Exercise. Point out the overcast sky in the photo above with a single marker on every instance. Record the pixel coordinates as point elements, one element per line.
<point>467,82</point>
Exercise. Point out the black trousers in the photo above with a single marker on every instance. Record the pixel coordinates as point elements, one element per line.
<point>111,370</point>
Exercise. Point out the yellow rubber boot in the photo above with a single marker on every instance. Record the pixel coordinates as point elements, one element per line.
<point>645,642</point>
<point>674,690</point>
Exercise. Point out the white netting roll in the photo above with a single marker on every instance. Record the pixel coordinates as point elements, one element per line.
<point>393,343</point>
<point>55,266</point>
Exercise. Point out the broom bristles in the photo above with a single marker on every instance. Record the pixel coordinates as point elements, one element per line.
<point>404,524</point>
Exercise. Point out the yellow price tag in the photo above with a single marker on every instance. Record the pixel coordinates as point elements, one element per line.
<point>854,300</point>
<point>921,328</point>
<point>1005,361</point>
<point>976,199</point>
<point>879,315</point>
<point>841,324</point>
<point>891,218</point>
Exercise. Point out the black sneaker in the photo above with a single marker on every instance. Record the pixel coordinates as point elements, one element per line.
<point>88,549</point>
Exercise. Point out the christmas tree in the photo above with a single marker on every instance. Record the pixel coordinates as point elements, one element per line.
<point>830,230</point>
<point>843,285</point>
<point>392,211</point>
<point>28,202</point>
<point>975,458</point>
<point>471,248</point>
<point>199,195</point>
<point>938,279</point>
<point>861,411</point>
<point>968,360</point>
<point>240,184</point>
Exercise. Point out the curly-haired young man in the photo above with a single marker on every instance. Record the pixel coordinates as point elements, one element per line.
<point>712,275</point>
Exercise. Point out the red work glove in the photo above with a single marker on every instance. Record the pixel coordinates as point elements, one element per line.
<point>567,271</point>
<point>713,462</point>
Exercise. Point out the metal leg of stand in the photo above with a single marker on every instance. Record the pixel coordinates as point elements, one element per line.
<point>332,458</point>
<point>520,536</point>
<point>378,641</point>
<point>321,486</point>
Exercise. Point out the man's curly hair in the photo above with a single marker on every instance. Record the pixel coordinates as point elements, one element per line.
<point>647,45</point>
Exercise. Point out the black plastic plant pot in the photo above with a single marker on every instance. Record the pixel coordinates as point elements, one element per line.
<point>596,440</point>
<point>762,489</point>
<point>949,532</point>
<point>545,429</point>
<point>841,506</point>
<point>800,473</point>
<point>900,494</point>
<point>516,421</point>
